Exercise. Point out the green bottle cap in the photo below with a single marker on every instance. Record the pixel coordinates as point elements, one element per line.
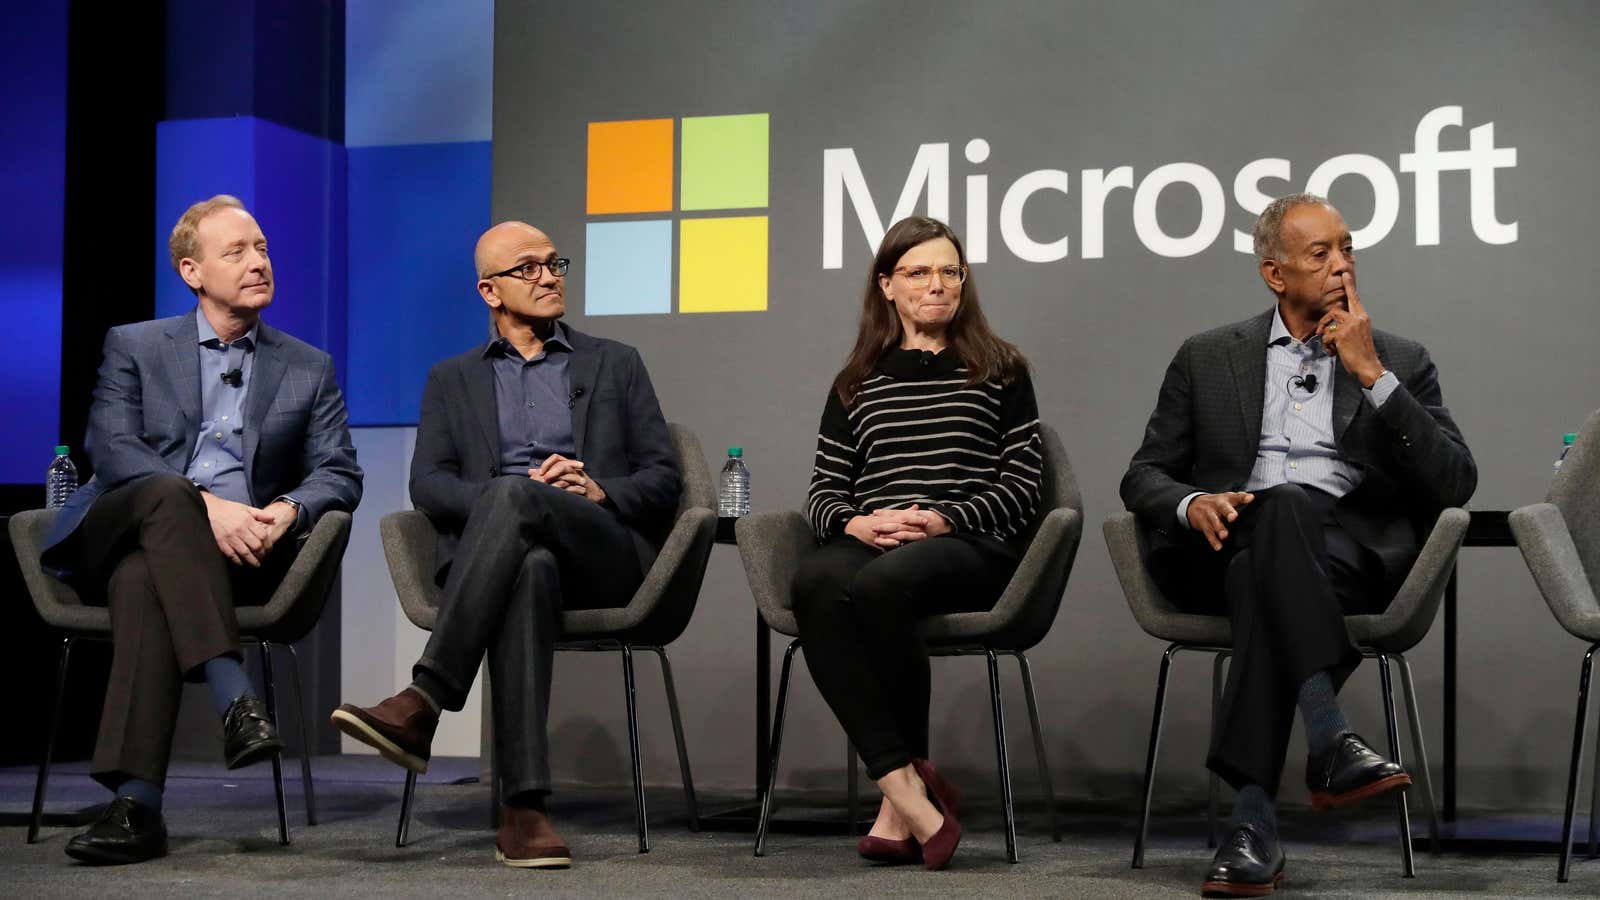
<point>1566,440</point>
<point>61,450</point>
<point>735,451</point>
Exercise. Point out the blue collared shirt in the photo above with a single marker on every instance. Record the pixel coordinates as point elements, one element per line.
<point>217,463</point>
<point>533,399</point>
<point>1297,443</point>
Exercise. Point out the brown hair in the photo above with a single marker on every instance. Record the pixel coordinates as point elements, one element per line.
<point>184,244</point>
<point>984,354</point>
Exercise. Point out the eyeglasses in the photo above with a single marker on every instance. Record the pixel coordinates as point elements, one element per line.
<point>921,276</point>
<point>529,271</point>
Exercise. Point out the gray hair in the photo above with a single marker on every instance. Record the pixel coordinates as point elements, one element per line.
<point>1269,226</point>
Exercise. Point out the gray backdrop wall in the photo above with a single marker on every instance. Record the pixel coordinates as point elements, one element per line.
<point>1495,272</point>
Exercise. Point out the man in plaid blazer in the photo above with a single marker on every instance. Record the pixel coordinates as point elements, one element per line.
<point>216,441</point>
<point>1291,467</point>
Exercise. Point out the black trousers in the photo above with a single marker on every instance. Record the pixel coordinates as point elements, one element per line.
<point>145,549</point>
<point>1286,577</point>
<point>528,551</point>
<point>857,609</point>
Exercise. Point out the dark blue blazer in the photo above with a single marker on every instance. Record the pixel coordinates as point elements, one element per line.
<point>146,418</point>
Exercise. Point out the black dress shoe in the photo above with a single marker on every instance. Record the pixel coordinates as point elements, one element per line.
<point>247,734</point>
<point>1349,772</point>
<point>1248,864</point>
<point>127,832</point>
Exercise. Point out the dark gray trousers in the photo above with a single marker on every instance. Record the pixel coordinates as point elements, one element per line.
<point>528,551</point>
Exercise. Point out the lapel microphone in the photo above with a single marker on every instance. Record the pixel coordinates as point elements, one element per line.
<point>233,377</point>
<point>572,401</point>
<point>1307,383</point>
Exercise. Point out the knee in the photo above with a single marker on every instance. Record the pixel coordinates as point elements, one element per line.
<point>817,593</point>
<point>510,492</point>
<point>1289,500</point>
<point>169,495</point>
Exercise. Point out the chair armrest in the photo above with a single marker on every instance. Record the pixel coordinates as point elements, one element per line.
<point>1553,559</point>
<point>299,599</point>
<point>409,545</point>
<point>1127,544</point>
<point>680,566</point>
<point>55,601</point>
<point>1405,622</point>
<point>771,546</point>
<point>1028,606</point>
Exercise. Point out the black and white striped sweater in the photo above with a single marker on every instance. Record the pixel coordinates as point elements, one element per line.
<point>919,434</point>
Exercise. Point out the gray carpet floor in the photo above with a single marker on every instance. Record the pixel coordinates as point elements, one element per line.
<point>224,843</point>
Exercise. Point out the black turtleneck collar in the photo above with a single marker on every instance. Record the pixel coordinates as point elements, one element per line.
<point>916,365</point>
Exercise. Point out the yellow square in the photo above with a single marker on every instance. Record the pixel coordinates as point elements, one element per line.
<point>722,264</point>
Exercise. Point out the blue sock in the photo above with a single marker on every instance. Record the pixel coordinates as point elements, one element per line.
<point>1254,806</point>
<point>1319,708</point>
<point>143,791</point>
<point>228,682</point>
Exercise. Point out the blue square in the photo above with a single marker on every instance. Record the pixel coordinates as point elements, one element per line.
<point>627,268</point>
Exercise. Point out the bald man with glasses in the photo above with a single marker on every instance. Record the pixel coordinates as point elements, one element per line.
<point>543,460</point>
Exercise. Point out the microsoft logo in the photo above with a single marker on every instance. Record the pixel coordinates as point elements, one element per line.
<point>721,259</point>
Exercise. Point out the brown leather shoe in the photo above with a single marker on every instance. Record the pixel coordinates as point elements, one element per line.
<point>401,728</point>
<point>528,841</point>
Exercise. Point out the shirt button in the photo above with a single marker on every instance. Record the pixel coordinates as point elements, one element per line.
<point>224,418</point>
<point>1297,407</point>
<point>219,435</point>
<point>205,465</point>
<point>1294,465</point>
<point>531,404</point>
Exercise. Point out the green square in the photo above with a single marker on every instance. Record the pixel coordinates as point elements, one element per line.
<point>724,162</point>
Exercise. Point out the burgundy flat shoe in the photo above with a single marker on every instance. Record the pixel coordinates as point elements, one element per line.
<point>890,851</point>
<point>937,851</point>
<point>945,795</point>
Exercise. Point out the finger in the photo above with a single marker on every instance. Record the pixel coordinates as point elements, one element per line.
<point>1351,298</point>
<point>262,515</point>
<point>886,542</point>
<point>908,536</point>
<point>245,555</point>
<point>549,461</point>
<point>228,552</point>
<point>575,489</point>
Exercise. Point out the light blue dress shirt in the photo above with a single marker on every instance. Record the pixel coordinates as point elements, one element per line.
<point>217,463</point>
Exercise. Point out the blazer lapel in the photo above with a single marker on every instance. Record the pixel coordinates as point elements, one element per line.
<point>1346,401</point>
<point>183,360</point>
<point>266,373</point>
<point>582,371</point>
<point>480,396</point>
<point>1247,357</point>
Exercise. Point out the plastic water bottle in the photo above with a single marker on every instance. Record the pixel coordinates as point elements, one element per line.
<point>61,480</point>
<point>1566,446</point>
<point>733,500</point>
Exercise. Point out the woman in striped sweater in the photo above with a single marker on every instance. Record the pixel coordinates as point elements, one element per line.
<point>927,475</point>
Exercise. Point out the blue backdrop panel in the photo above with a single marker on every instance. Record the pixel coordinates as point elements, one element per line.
<point>415,215</point>
<point>33,141</point>
<point>295,186</point>
<point>419,73</point>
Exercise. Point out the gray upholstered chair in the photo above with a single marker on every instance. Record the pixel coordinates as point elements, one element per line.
<point>1383,636</point>
<point>772,545</point>
<point>287,617</point>
<point>1560,540</point>
<point>656,615</point>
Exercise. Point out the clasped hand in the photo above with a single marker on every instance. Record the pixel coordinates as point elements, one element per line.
<point>887,529</point>
<point>244,534</point>
<point>568,474</point>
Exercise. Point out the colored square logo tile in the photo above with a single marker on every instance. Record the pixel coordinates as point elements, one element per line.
<point>722,264</point>
<point>630,166</point>
<point>724,162</point>
<point>627,268</point>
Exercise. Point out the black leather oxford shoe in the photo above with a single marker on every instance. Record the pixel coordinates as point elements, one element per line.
<point>1248,864</point>
<point>1349,772</point>
<point>127,832</point>
<point>248,735</point>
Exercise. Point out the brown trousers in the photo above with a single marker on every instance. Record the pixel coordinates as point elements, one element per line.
<point>145,549</point>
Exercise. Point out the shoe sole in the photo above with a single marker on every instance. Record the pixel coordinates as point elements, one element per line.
<point>257,753</point>
<point>97,858</point>
<point>538,862</point>
<point>1321,802</point>
<point>370,736</point>
<point>1230,889</point>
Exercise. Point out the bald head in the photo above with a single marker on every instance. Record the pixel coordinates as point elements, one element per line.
<point>500,246</point>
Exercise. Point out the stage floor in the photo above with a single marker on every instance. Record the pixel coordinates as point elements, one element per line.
<point>224,843</point>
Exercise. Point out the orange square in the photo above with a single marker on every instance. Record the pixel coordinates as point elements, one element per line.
<point>630,166</point>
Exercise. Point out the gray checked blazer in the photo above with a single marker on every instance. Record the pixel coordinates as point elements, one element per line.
<point>617,426</point>
<point>146,417</point>
<point>1206,430</point>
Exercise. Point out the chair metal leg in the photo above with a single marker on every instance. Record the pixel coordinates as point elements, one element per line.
<point>306,741</point>
<point>1407,862</point>
<point>277,758</point>
<point>852,803</point>
<point>37,818</point>
<point>1578,729</point>
<point>1594,801</point>
<point>1150,756</point>
<point>1038,744</point>
<point>1213,788</point>
<point>403,832</point>
<point>1001,757</point>
<point>1419,751</point>
<point>677,736</point>
<point>633,750</point>
<point>777,745</point>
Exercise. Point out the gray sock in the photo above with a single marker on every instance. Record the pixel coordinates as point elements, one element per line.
<point>426,697</point>
<point>1254,806</point>
<point>1319,709</point>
